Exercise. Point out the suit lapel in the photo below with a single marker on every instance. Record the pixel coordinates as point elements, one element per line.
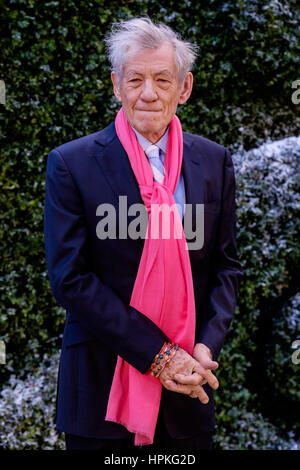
<point>115,165</point>
<point>192,172</point>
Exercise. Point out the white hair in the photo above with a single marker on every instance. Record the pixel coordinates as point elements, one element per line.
<point>142,33</point>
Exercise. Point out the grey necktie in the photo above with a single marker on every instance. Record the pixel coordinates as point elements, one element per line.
<point>157,166</point>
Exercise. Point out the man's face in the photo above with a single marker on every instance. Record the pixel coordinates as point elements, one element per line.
<point>150,90</point>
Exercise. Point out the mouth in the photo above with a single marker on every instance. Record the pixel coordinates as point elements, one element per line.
<point>149,110</point>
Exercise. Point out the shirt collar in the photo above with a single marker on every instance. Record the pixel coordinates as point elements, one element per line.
<point>144,143</point>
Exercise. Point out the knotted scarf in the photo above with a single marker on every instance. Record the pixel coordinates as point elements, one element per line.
<point>163,289</point>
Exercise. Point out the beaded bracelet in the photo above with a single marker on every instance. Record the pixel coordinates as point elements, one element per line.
<point>162,358</point>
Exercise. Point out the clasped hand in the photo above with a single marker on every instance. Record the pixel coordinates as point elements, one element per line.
<point>186,374</point>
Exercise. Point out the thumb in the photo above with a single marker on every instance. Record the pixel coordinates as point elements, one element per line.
<point>209,364</point>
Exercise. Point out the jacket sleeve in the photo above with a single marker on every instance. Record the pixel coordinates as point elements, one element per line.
<point>217,311</point>
<point>90,301</point>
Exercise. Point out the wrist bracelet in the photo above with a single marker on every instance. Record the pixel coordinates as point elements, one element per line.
<point>162,358</point>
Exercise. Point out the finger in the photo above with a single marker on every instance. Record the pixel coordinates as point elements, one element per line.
<point>186,390</point>
<point>193,395</point>
<point>202,395</point>
<point>207,375</point>
<point>192,379</point>
<point>208,364</point>
<point>205,364</point>
<point>179,388</point>
<point>211,379</point>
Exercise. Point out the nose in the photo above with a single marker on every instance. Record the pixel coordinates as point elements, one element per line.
<point>148,91</point>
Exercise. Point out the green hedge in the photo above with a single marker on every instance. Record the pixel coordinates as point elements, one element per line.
<point>27,410</point>
<point>58,88</point>
<point>257,373</point>
<point>258,399</point>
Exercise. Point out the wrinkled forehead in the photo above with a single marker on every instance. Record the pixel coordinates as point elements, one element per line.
<point>139,57</point>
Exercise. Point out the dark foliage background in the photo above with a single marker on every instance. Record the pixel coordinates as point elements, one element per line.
<point>53,62</point>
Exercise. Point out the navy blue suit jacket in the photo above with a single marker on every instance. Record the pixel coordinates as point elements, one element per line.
<point>93,279</point>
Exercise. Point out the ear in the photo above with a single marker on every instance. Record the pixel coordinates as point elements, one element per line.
<point>117,92</point>
<point>186,88</point>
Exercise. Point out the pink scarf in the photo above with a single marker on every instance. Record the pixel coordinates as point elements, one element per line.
<point>163,289</point>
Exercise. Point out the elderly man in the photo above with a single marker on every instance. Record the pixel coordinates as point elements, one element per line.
<point>146,316</point>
